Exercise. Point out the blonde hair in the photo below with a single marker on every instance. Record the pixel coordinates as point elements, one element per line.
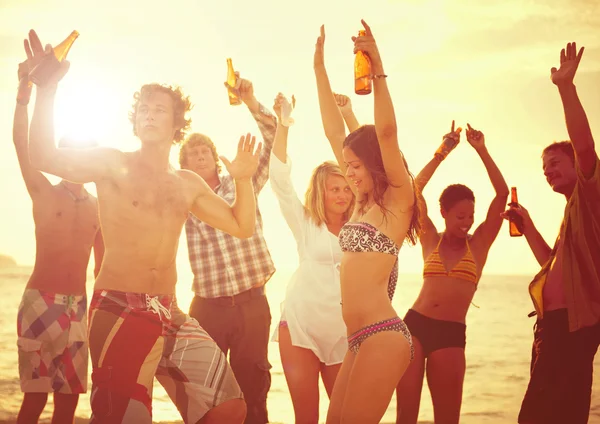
<point>314,199</point>
<point>197,139</point>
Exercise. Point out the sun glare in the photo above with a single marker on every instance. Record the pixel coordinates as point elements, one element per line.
<point>83,112</point>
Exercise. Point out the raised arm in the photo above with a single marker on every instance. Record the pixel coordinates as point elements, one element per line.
<point>281,182</point>
<point>488,230</point>
<point>281,134</point>
<point>429,236</point>
<point>385,122</point>
<point>267,124</point>
<point>35,181</point>
<point>333,122</point>
<point>536,242</point>
<point>77,165</point>
<point>238,219</point>
<point>449,142</point>
<point>345,106</point>
<point>576,119</point>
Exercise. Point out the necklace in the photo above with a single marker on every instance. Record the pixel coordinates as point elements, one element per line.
<point>75,198</point>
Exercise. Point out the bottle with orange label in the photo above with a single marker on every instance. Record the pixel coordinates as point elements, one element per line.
<point>51,62</point>
<point>362,71</point>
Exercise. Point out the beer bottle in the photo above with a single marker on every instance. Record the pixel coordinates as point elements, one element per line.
<point>448,144</point>
<point>232,92</point>
<point>515,221</point>
<point>51,62</point>
<point>362,71</point>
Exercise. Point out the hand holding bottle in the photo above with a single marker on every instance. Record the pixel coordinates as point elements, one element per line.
<point>366,44</point>
<point>449,142</point>
<point>520,215</point>
<point>49,65</point>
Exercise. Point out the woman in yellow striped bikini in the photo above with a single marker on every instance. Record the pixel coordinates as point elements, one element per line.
<point>454,261</point>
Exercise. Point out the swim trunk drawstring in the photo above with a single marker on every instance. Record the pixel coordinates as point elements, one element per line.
<point>154,304</point>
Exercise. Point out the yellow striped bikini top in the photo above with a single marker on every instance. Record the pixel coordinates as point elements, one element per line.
<point>465,269</point>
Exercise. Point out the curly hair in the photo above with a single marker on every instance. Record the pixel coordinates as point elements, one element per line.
<point>453,194</point>
<point>364,143</point>
<point>197,139</point>
<point>181,105</point>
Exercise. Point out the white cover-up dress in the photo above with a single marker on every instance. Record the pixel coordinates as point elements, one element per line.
<point>311,308</point>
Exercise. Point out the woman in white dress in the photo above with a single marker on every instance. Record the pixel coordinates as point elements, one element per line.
<point>311,333</point>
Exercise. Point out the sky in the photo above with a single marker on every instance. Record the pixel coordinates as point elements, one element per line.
<point>485,63</point>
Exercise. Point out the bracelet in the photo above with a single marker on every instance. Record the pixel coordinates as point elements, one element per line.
<point>378,76</point>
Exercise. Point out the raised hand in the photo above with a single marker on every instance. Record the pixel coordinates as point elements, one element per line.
<point>277,103</point>
<point>569,61</point>
<point>25,66</point>
<point>368,45</point>
<point>245,163</point>
<point>24,91</point>
<point>37,53</point>
<point>475,138</point>
<point>343,102</point>
<point>319,58</point>
<point>449,142</point>
<point>246,90</point>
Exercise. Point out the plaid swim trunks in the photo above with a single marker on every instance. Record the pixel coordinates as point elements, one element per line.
<point>52,342</point>
<point>135,337</point>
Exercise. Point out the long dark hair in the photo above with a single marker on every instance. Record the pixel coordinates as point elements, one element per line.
<point>365,145</point>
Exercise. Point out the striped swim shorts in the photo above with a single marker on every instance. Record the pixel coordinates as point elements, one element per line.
<point>135,337</point>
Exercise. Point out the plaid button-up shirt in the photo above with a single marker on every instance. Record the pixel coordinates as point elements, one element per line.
<point>224,265</point>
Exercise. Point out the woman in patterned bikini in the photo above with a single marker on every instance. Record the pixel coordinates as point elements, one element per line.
<point>386,214</point>
<point>454,261</point>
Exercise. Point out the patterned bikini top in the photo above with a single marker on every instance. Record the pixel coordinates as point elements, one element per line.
<point>465,269</point>
<point>364,237</point>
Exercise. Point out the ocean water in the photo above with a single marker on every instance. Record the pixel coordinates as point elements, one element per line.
<point>499,336</point>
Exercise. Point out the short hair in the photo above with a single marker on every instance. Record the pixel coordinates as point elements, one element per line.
<point>314,198</point>
<point>181,105</point>
<point>364,143</point>
<point>197,139</point>
<point>562,146</point>
<point>453,194</point>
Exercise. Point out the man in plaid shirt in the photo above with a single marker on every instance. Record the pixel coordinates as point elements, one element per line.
<point>230,273</point>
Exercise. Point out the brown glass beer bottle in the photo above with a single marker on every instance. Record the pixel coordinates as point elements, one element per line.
<point>515,221</point>
<point>232,92</point>
<point>362,71</point>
